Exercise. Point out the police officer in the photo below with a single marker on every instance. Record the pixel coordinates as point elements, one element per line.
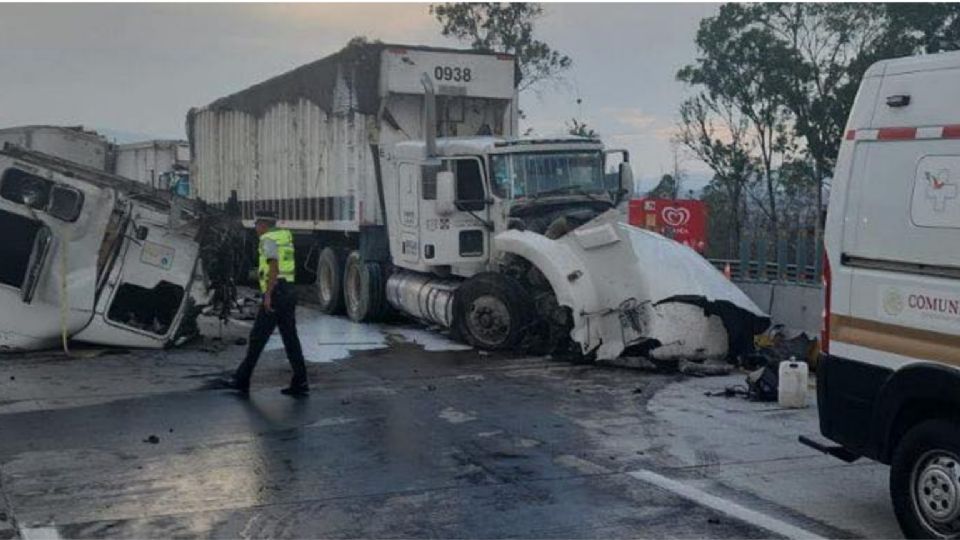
<point>276,272</point>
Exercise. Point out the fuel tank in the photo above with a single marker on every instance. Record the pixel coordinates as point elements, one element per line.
<point>422,296</point>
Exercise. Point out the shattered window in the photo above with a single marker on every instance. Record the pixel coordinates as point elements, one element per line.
<point>152,310</point>
<point>20,234</point>
<point>61,202</point>
<point>24,188</point>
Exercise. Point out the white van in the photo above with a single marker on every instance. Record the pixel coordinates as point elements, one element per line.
<point>889,379</point>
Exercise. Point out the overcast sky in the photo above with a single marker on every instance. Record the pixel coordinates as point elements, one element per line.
<point>137,68</point>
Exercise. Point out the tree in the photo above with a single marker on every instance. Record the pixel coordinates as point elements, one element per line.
<point>734,69</point>
<point>507,28</point>
<point>714,131</point>
<point>665,189</point>
<point>813,57</point>
<point>580,129</point>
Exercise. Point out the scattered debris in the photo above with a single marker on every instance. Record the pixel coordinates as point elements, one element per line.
<point>704,369</point>
<point>633,362</point>
<point>777,344</point>
<point>344,401</point>
<point>431,388</point>
<point>153,439</point>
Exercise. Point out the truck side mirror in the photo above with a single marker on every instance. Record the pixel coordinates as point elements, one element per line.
<point>446,193</point>
<point>626,179</point>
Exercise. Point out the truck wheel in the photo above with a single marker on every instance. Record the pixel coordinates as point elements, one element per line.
<point>363,289</point>
<point>491,311</point>
<point>330,281</point>
<point>925,480</point>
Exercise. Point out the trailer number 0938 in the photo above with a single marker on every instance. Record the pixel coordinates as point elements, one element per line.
<point>447,73</point>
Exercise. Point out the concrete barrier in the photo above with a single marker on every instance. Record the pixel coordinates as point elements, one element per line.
<point>796,306</point>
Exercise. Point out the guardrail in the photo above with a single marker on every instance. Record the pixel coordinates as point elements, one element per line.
<point>789,263</point>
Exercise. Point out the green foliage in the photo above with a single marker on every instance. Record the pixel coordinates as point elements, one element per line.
<point>792,71</point>
<point>665,189</point>
<point>580,129</point>
<point>503,27</point>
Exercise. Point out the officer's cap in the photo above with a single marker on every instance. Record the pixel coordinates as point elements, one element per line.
<point>265,215</point>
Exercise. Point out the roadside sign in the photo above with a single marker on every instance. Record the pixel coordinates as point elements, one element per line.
<point>682,220</point>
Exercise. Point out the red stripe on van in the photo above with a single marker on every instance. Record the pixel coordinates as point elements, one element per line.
<point>896,133</point>
<point>851,134</point>
<point>951,132</point>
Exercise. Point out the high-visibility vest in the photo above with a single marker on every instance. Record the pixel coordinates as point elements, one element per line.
<point>286,266</point>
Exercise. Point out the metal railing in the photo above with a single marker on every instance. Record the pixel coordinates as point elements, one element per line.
<point>799,262</point>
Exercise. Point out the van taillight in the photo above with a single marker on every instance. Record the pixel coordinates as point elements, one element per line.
<point>825,316</point>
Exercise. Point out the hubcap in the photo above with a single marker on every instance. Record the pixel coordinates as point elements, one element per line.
<point>936,491</point>
<point>488,320</point>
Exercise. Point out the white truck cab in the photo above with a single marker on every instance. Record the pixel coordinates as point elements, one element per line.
<point>92,257</point>
<point>889,378</point>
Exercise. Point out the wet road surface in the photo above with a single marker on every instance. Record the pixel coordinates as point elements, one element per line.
<point>401,442</point>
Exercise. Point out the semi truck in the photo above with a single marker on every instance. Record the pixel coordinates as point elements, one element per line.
<point>94,257</point>
<point>401,173</point>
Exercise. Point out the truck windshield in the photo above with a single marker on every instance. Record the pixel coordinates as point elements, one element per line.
<point>524,175</point>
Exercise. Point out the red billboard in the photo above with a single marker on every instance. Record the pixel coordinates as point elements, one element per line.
<point>683,220</point>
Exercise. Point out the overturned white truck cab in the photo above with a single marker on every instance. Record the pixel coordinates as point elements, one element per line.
<point>91,257</point>
<point>400,172</point>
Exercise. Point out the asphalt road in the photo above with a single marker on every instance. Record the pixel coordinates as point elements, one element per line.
<point>401,442</point>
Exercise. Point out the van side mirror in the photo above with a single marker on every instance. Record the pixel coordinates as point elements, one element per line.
<point>446,193</point>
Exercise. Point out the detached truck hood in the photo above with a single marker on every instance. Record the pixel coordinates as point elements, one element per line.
<point>630,287</point>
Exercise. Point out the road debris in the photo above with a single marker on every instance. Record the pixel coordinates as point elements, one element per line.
<point>704,369</point>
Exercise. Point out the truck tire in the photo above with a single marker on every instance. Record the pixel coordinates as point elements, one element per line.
<point>363,289</point>
<point>492,311</point>
<point>925,480</point>
<point>330,281</point>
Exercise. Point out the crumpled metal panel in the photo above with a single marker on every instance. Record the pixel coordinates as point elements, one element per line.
<point>626,286</point>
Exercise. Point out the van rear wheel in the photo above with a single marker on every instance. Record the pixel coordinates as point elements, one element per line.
<point>363,289</point>
<point>925,480</point>
<point>330,281</point>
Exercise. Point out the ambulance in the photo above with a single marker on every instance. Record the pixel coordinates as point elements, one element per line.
<point>889,378</point>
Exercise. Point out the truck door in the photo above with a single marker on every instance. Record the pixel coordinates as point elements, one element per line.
<point>408,197</point>
<point>462,236</point>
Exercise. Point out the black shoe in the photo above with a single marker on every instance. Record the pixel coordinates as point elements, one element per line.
<point>299,390</point>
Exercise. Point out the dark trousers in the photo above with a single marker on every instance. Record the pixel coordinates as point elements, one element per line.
<point>283,316</point>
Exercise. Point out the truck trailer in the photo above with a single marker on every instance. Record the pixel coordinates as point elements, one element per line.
<point>72,143</point>
<point>400,172</point>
